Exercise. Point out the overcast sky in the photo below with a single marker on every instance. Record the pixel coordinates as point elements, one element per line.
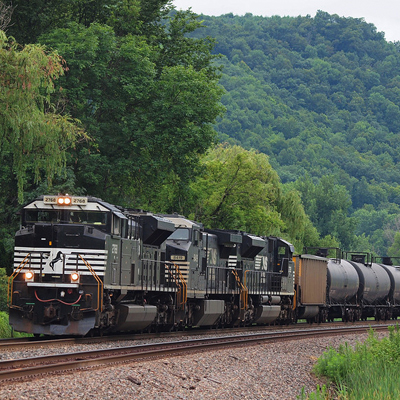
<point>384,14</point>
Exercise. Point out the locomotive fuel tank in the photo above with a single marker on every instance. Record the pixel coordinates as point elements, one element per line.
<point>374,282</point>
<point>342,281</point>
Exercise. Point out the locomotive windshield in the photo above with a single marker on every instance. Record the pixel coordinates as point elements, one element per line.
<point>33,216</point>
<point>65,216</point>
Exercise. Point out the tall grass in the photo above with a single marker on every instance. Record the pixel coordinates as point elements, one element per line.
<point>5,329</point>
<point>370,371</point>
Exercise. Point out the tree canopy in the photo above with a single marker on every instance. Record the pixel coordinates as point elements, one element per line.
<point>238,189</point>
<point>129,76</point>
<point>320,96</point>
<point>126,100</point>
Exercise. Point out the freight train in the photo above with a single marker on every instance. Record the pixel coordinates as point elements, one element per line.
<point>84,266</point>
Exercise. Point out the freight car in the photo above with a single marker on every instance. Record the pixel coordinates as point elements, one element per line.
<point>349,286</point>
<point>83,265</point>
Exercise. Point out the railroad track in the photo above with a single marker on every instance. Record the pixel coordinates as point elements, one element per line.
<point>21,369</point>
<point>27,342</point>
<point>31,342</point>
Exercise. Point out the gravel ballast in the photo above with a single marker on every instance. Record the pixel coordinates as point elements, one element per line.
<point>262,371</point>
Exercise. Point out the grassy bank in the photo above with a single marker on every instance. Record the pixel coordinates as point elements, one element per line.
<point>5,328</point>
<point>368,372</point>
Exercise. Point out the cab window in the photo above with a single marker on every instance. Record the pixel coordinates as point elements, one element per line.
<point>180,234</point>
<point>88,217</point>
<point>116,225</point>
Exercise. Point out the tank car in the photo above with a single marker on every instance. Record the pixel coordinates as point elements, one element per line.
<point>374,288</point>
<point>394,295</point>
<point>342,291</point>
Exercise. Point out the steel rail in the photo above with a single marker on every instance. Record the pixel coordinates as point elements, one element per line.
<point>23,342</point>
<point>30,367</point>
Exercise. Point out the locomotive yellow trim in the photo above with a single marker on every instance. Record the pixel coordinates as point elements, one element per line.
<point>12,277</point>
<point>100,285</point>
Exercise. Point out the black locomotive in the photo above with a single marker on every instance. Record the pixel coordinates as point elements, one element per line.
<point>83,265</point>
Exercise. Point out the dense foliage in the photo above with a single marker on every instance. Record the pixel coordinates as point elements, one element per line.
<point>3,289</point>
<point>34,139</point>
<point>6,331</point>
<point>146,96</point>
<point>320,96</point>
<point>316,97</point>
<point>238,189</point>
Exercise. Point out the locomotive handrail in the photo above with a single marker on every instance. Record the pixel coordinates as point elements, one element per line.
<point>100,285</point>
<point>268,276</point>
<point>13,276</point>
<point>184,285</point>
<point>243,290</point>
<point>182,280</point>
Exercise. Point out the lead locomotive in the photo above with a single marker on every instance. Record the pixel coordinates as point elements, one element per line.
<point>83,265</point>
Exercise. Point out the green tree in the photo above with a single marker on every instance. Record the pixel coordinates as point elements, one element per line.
<point>150,113</point>
<point>394,249</point>
<point>33,19</point>
<point>32,136</point>
<point>239,189</point>
<point>327,205</point>
<point>298,227</point>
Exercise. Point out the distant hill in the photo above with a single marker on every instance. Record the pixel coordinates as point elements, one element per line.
<point>321,97</point>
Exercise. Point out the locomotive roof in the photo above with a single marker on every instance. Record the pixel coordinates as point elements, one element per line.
<point>181,222</point>
<point>288,244</point>
<point>313,257</point>
<point>90,204</point>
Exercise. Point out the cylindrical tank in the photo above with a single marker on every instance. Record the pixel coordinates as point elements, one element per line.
<point>342,281</point>
<point>374,282</point>
<point>394,275</point>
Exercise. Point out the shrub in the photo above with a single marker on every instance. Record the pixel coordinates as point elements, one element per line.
<point>3,289</point>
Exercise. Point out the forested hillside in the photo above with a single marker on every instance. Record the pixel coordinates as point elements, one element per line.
<point>320,96</point>
<point>114,99</point>
<point>127,101</point>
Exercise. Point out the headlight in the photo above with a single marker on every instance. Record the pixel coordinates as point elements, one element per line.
<point>29,276</point>
<point>64,201</point>
<point>75,277</point>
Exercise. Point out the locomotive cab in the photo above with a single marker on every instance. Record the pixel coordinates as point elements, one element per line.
<point>59,263</point>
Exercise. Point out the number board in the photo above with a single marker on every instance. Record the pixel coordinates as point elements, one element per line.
<point>81,201</point>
